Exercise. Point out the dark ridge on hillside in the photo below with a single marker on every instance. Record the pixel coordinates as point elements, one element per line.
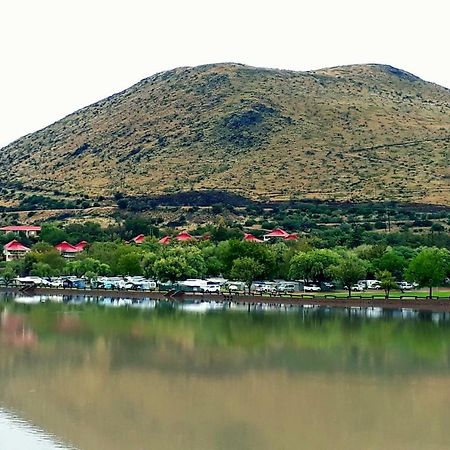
<point>214,197</point>
<point>352,133</point>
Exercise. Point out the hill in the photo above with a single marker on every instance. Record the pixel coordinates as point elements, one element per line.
<point>361,133</point>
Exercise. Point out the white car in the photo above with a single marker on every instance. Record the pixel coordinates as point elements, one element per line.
<point>312,288</point>
<point>358,288</point>
<point>405,286</point>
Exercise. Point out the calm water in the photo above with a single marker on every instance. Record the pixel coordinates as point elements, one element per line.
<point>95,377</point>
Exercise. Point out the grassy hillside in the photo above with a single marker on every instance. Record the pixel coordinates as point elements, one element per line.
<point>367,132</point>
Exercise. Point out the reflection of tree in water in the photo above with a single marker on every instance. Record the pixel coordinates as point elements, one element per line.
<point>223,343</point>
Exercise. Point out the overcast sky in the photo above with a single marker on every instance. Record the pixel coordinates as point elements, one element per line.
<point>60,55</point>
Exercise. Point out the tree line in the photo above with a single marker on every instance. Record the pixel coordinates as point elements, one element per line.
<point>228,255</point>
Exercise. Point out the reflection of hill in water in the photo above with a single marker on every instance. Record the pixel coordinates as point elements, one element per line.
<point>118,379</point>
<point>223,344</point>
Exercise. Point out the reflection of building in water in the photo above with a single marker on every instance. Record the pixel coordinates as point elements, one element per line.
<point>15,331</point>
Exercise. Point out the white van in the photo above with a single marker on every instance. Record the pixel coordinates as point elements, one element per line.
<point>372,284</point>
<point>198,285</point>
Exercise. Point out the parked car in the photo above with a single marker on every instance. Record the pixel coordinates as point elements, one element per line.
<point>358,288</point>
<point>286,287</point>
<point>405,286</point>
<point>312,288</point>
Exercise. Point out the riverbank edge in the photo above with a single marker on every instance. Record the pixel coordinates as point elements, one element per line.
<point>425,304</point>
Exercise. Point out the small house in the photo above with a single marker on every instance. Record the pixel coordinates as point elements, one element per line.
<point>28,230</point>
<point>277,233</point>
<point>67,250</point>
<point>14,250</point>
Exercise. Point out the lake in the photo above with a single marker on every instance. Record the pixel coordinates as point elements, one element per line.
<point>102,377</point>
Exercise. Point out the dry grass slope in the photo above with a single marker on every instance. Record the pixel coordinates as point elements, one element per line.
<point>367,132</point>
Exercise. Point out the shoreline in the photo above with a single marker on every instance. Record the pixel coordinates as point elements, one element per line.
<point>422,304</point>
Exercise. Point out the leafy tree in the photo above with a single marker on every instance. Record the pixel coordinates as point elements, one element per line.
<point>192,256</point>
<point>53,235</point>
<point>247,270</point>
<point>87,231</point>
<point>349,270</point>
<point>8,275</point>
<point>392,262</point>
<point>147,263</point>
<point>41,269</point>
<point>42,247</point>
<point>213,264</point>
<point>110,253</point>
<point>91,276</point>
<point>228,251</point>
<point>170,268</point>
<point>135,225</point>
<point>81,267</point>
<point>429,267</point>
<point>129,264</point>
<point>387,281</point>
<point>315,265</point>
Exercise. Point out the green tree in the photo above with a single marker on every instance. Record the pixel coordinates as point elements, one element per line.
<point>80,267</point>
<point>315,265</point>
<point>110,253</point>
<point>392,262</point>
<point>8,275</point>
<point>170,268</point>
<point>214,265</point>
<point>228,251</point>
<point>387,281</point>
<point>130,264</point>
<point>41,269</point>
<point>429,268</point>
<point>52,234</point>
<point>246,269</point>
<point>148,262</point>
<point>349,270</point>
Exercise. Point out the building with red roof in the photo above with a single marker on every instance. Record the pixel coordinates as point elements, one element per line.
<point>184,236</point>
<point>67,250</point>
<point>81,245</point>
<point>139,239</point>
<point>14,250</point>
<point>276,233</point>
<point>28,230</point>
<point>291,237</point>
<point>251,238</point>
<point>165,240</point>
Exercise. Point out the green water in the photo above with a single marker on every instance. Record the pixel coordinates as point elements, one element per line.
<point>99,378</point>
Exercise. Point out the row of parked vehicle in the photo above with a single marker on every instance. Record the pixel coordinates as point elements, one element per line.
<point>363,285</point>
<point>210,285</point>
<point>135,283</point>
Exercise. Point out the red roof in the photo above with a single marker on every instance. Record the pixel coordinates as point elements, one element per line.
<point>21,228</point>
<point>278,232</point>
<point>65,247</point>
<point>251,238</point>
<point>81,245</point>
<point>15,246</point>
<point>165,240</point>
<point>184,236</point>
<point>291,237</point>
<point>138,239</point>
